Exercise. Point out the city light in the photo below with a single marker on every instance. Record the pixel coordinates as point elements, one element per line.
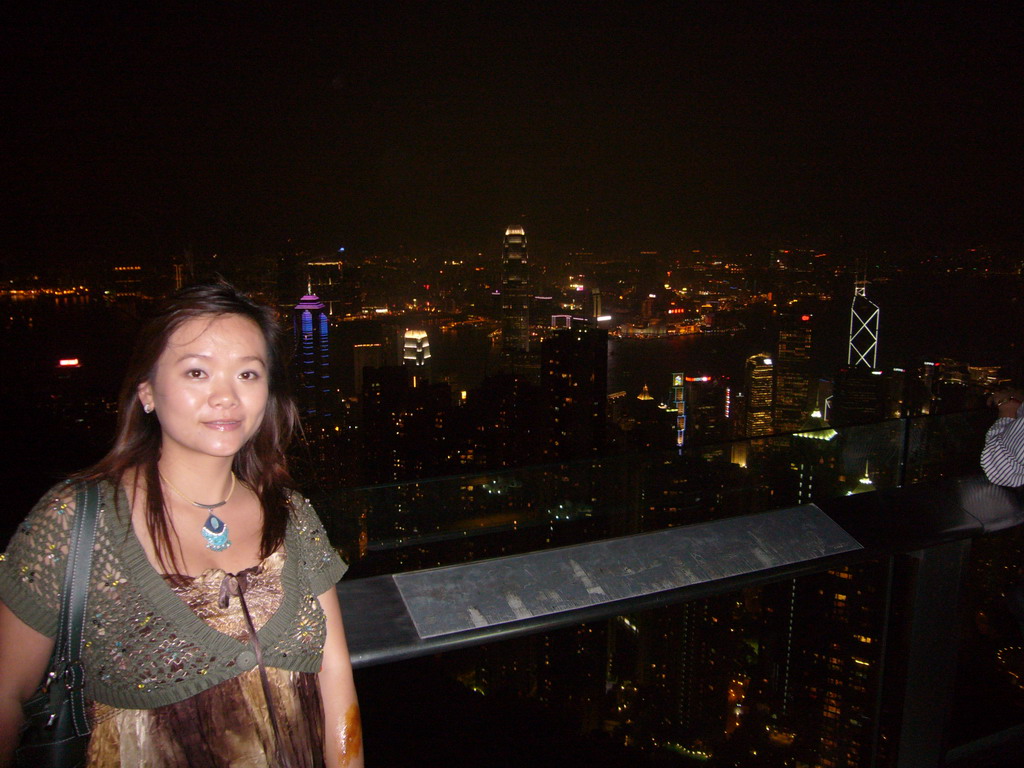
<point>416,135</point>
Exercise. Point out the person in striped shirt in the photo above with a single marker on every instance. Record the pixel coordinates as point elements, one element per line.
<point>1002,458</point>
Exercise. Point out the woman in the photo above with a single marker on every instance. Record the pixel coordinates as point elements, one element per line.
<point>198,536</point>
<point>1002,458</point>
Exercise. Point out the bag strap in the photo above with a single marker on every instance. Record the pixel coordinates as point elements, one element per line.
<point>67,675</point>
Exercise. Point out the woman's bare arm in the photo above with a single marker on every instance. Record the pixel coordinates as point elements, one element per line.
<point>343,733</point>
<point>24,656</point>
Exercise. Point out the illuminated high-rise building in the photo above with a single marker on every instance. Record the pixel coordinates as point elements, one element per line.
<point>370,355</point>
<point>406,429</point>
<point>793,373</point>
<point>835,681</point>
<point>312,358</point>
<point>864,316</point>
<point>505,427</point>
<point>416,355</point>
<point>759,382</point>
<point>703,406</point>
<point>325,280</point>
<point>128,282</point>
<point>574,378</point>
<point>515,294</point>
<point>859,394</point>
<point>679,405</point>
<point>858,397</point>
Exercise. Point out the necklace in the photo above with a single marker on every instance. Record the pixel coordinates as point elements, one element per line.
<point>215,530</point>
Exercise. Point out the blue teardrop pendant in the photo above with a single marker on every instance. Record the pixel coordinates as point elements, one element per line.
<point>215,531</point>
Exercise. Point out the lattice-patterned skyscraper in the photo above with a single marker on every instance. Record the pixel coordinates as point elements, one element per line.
<point>864,313</point>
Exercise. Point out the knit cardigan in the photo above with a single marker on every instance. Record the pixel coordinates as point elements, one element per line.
<point>144,647</point>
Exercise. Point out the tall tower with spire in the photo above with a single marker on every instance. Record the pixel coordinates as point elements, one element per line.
<point>859,390</point>
<point>864,316</point>
<point>312,357</point>
<point>515,295</point>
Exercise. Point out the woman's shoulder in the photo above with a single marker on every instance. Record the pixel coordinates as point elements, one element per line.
<point>56,504</point>
<point>302,510</point>
<point>305,521</point>
<point>57,507</point>
<point>60,497</point>
<point>63,497</point>
<point>320,560</point>
<point>32,567</point>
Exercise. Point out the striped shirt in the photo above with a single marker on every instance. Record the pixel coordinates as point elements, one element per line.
<point>1002,458</point>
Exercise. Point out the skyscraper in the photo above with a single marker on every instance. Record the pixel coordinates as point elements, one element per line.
<point>858,397</point>
<point>860,388</point>
<point>406,430</point>
<point>574,377</point>
<point>515,295</point>
<point>864,316</point>
<point>793,373</point>
<point>369,355</point>
<point>325,280</point>
<point>312,347</point>
<point>128,282</point>
<point>759,382</point>
<point>703,406</point>
<point>416,355</point>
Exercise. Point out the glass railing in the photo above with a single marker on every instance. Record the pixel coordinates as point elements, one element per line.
<point>799,672</point>
<point>990,680</point>
<point>441,521</point>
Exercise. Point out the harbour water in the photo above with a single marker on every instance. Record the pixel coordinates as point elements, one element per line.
<point>970,319</point>
<point>973,319</point>
<point>978,321</point>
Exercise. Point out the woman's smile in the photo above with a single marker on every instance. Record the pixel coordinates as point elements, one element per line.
<point>209,389</point>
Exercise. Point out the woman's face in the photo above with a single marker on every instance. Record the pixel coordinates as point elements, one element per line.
<point>209,388</point>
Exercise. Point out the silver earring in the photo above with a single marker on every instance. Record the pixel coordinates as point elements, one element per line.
<point>148,408</point>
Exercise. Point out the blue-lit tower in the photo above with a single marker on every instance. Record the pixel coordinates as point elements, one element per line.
<point>312,349</point>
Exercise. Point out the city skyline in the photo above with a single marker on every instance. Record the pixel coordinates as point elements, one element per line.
<point>142,133</point>
<point>733,680</point>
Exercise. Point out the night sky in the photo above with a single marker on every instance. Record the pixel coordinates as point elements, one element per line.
<point>137,132</point>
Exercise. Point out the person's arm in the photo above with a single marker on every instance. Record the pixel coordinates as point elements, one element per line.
<point>1002,458</point>
<point>24,656</point>
<point>343,733</point>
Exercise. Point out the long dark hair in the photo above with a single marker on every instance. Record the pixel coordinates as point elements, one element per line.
<point>261,464</point>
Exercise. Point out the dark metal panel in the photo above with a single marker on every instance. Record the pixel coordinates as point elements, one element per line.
<point>471,596</point>
<point>905,519</point>
<point>933,592</point>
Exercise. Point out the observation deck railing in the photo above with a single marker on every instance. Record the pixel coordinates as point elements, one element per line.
<point>829,597</point>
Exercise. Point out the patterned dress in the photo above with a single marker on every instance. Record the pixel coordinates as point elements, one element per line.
<point>170,670</point>
<point>227,725</point>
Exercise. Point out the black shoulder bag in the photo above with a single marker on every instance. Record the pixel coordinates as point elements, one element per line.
<point>56,732</point>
